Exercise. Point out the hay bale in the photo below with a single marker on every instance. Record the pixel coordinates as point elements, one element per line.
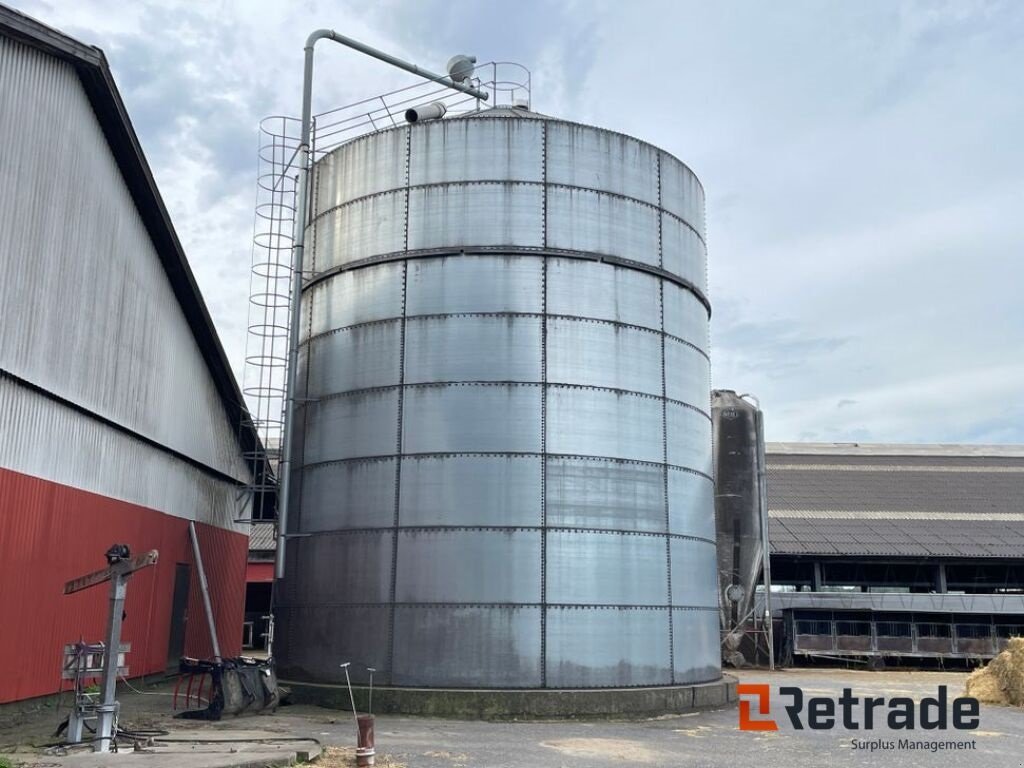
<point>983,685</point>
<point>1011,671</point>
<point>1001,681</point>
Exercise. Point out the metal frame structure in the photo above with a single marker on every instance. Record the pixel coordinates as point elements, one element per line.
<point>118,571</point>
<point>868,627</point>
<point>827,634</point>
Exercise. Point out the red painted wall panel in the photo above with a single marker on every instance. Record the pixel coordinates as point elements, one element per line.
<point>51,533</point>
<point>259,573</point>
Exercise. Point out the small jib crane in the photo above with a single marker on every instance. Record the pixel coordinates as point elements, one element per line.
<point>120,566</point>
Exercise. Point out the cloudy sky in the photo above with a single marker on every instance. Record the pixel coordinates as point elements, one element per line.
<point>864,163</point>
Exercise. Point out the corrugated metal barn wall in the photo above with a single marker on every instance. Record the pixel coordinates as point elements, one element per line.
<point>52,533</point>
<point>111,427</point>
<point>99,321</point>
<point>70,486</point>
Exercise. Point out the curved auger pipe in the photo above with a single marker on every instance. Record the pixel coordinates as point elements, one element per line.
<point>302,214</point>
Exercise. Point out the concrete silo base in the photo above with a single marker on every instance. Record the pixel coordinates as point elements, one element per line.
<point>498,704</point>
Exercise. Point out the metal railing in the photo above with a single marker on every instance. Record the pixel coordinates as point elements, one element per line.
<point>506,84</point>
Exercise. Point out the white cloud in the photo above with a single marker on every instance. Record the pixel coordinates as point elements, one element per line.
<point>863,164</point>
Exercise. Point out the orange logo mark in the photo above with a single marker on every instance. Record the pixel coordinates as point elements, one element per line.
<point>763,707</point>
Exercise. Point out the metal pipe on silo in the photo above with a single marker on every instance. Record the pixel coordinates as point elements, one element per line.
<point>301,215</point>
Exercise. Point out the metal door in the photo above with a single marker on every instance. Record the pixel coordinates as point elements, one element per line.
<point>179,614</point>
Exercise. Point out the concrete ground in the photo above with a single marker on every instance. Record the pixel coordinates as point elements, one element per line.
<point>696,740</point>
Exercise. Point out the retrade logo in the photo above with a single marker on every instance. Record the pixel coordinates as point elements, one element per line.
<point>763,698</point>
<point>855,713</point>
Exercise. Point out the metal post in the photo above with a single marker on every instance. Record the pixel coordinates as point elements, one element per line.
<point>301,215</point>
<point>269,634</point>
<point>351,697</point>
<point>108,704</point>
<point>205,589</point>
<point>369,709</point>
<point>75,723</point>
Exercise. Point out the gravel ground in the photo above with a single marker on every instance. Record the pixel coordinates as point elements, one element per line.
<point>695,740</point>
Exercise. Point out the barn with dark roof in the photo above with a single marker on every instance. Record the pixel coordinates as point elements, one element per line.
<point>913,550</point>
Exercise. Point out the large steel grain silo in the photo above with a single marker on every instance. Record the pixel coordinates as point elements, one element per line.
<point>504,471</point>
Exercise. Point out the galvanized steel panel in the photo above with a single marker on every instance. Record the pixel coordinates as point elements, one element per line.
<point>467,646</point>
<point>603,355</point>
<point>468,566</point>
<point>360,296</point>
<point>681,193</point>
<point>358,168</point>
<point>580,220</point>
<point>683,252</point>
<point>338,568</point>
<point>691,504</point>
<point>689,438</point>
<point>363,424</point>
<point>581,156</point>
<point>471,490</point>
<point>355,358</point>
<point>310,642</point>
<point>464,215</point>
<point>298,458</point>
<point>102,325</point>
<point>687,375</point>
<point>471,418</point>
<point>591,289</point>
<point>694,574</point>
<point>473,349</point>
<point>476,150</point>
<point>607,647</point>
<point>475,283</point>
<point>368,227</point>
<point>352,494</point>
<point>587,422</point>
<point>685,316</point>
<point>585,568</point>
<point>697,646</point>
<point>598,493</point>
